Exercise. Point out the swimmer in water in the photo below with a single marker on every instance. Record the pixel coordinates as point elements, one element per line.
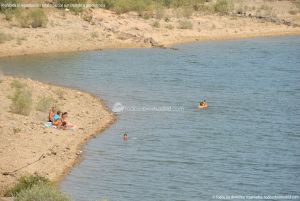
<point>125,137</point>
<point>203,105</point>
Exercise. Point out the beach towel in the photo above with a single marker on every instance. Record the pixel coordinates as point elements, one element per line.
<point>49,125</point>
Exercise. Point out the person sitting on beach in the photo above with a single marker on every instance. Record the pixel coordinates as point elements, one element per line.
<point>52,112</point>
<point>65,125</point>
<point>64,116</point>
<point>57,119</point>
<point>202,105</point>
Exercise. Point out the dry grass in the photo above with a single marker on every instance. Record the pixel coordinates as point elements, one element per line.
<point>185,24</point>
<point>156,24</point>
<point>169,26</point>
<point>44,104</point>
<point>21,102</point>
<point>32,18</point>
<point>5,37</point>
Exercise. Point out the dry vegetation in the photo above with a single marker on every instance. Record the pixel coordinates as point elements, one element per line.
<point>141,23</point>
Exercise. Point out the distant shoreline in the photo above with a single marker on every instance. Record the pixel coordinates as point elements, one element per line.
<point>167,44</point>
<point>67,32</point>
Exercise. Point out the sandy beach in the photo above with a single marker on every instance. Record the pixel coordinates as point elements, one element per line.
<point>48,152</point>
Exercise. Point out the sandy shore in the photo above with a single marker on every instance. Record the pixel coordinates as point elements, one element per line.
<point>67,32</point>
<point>23,139</point>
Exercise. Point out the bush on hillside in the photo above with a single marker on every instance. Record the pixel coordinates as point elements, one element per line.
<point>156,24</point>
<point>44,104</point>
<point>3,2</point>
<point>108,4</point>
<point>223,6</point>
<point>42,192</point>
<point>17,84</point>
<point>33,18</point>
<point>123,6</point>
<point>187,11</point>
<point>185,25</point>
<point>21,102</point>
<point>39,18</point>
<point>25,183</point>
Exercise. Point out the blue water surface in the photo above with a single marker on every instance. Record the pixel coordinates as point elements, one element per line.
<point>246,143</point>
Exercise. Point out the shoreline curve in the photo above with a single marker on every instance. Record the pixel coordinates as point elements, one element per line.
<point>24,137</point>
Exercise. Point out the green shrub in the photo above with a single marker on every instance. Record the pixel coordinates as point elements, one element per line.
<point>21,102</point>
<point>198,5</point>
<point>44,104</point>
<point>4,37</point>
<point>25,183</point>
<point>297,3</point>
<point>187,11</point>
<point>17,84</point>
<point>223,6</point>
<point>24,20</point>
<point>33,18</point>
<point>3,8</point>
<point>42,192</point>
<point>123,6</point>
<point>107,3</point>
<point>39,18</point>
<point>9,13</point>
<point>185,25</point>
<point>167,3</point>
<point>156,24</point>
<point>180,3</point>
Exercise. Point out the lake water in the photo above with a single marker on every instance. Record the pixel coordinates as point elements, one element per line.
<point>246,143</point>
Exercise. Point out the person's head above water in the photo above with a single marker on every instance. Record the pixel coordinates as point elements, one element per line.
<point>125,136</point>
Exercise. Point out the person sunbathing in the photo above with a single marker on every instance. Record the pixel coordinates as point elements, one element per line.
<point>65,125</point>
<point>52,112</point>
<point>57,119</point>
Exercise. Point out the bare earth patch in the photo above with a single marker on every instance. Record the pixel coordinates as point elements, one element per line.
<point>96,29</point>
